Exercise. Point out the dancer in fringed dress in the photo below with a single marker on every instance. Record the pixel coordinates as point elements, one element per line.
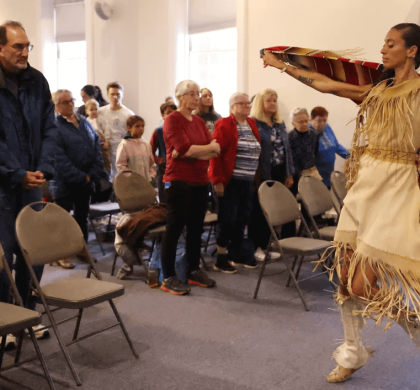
<point>377,241</point>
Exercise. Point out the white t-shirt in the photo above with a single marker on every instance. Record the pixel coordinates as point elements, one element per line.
<point>113,124</point>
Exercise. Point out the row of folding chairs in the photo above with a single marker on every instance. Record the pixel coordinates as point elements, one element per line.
<point>47,233</point>
<point>280,207</point>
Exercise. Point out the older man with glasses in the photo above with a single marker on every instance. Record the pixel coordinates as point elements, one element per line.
<point>232,174</point>
<point>27,148</point>
<point>79,164</point>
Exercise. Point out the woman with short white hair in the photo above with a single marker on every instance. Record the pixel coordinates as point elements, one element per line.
<point>304,144</point>
<point>233,174</point>
<point>189,146</point>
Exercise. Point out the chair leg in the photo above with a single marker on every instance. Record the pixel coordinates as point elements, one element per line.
<point>262,269</point>
<point>142,263</point>
<point>130,343</point>
<point>96,235</point>
<point>19,347</point>
<point>114,263</point>
<point>292,275</point>
<point>41,359</point>
<point>293,269</point>
<point>208,239</point>
<point>76,329</point>
<point>2,346</point>
<point>63,347</point>
<point>299,267</point>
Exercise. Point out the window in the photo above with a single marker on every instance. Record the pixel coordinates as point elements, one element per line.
<point>72,68</point>
<point>212,64</point>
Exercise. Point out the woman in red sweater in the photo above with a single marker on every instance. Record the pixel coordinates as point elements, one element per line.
<point>189,146</point>
<point>232,174</point>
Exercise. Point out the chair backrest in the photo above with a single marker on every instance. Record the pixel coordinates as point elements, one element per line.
<point>278,203</point>
<point>338,183</point>
<point>47,233</point>
<point>133,191</point>
<point>315,195</point>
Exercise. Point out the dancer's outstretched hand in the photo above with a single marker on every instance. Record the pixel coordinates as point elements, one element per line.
<point>269,59</point>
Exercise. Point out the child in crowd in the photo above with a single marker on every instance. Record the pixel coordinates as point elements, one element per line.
<point>158,145</point>
<point>91,109</point>
<point>136,154</point>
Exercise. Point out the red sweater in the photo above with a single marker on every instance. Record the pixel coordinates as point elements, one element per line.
<point>226,134</point>
<point>180,134</point>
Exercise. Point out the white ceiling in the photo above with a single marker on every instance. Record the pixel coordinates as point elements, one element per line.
<point>207,15</point>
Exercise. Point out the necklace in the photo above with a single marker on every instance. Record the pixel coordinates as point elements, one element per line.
<point>397,82</point>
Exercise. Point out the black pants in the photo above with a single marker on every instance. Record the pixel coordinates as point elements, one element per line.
<point>234,212</point>
<point>186,206</point>
<point>159,180</point>
<point>258,230</point>
<point>78,200</point>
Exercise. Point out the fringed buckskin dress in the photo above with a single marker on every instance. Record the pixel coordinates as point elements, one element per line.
<point>380,218</point>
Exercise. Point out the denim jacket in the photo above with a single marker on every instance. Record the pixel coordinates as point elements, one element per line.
<point>266,147</point>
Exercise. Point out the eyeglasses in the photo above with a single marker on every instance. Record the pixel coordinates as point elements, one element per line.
<point>192,94</point>
<point>19,48</point>
<point>244,103</point>
<point>68,101</point>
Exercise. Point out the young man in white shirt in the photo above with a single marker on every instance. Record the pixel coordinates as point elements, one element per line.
<point>112,120</point>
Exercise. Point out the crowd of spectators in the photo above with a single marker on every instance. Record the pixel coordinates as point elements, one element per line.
<point>192,153</point>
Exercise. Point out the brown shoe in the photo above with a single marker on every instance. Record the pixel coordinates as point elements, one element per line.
<point>341,374</point>
<point>66,264</point>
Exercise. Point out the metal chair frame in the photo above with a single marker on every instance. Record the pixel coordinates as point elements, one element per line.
<point>338,185</point>
<point>28,324</point>
<point>73,246</point>
<point>317,200</point>
<point>136,204</point>
<point>275,222</point>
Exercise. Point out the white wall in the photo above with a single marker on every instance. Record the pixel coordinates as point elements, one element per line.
<point>37,17</point>
<point>322,24</point>
<point>144,46</point>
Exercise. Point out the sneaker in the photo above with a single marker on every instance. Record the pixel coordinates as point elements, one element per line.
<point>223,265</point>
<point>10,342</point>
<point>201,279</point>
<point>40,333</point>
<point>66,264</point>
<point>174,286</point>
<point>124,271</point>
<point>250,265</point>
<point>260,255</point>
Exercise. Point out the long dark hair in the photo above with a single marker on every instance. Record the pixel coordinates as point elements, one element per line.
<point>411,36</point>
<point>95,92</point>
<point>198,112</point>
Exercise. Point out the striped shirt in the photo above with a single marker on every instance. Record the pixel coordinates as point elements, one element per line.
<point>247,154</point>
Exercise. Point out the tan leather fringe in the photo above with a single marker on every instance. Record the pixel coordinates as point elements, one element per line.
<point>399,291</point>
<point>383,122</point>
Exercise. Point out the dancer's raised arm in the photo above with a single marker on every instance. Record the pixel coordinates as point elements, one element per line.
<point>316,80</point>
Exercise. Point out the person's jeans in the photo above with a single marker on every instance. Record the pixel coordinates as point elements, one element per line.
<point>186,206</point>
<point>78,200</point>
<point>234,212</point>
<point>10,205</point>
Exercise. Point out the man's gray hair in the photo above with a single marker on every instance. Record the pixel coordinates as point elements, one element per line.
<point>3,30</point>
<point>235,97</point>
<point>297,111</point>
<point>183,87</point>
<point>57,95</point>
